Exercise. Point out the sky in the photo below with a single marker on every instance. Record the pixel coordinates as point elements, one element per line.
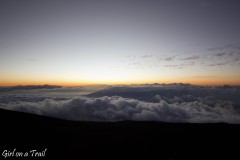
<point>69,42</point>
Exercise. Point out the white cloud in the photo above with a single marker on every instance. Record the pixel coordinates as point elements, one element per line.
<point>116,108</point>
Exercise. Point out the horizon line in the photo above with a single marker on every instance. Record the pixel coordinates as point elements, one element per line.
<point>104,84</point>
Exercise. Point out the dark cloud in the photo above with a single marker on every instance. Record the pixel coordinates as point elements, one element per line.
<point>28,87</point>
<point>53,91</point>
<point>169,103</point>
<point>169,91</point>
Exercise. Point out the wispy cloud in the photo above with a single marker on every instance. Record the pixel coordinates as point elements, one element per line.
<point>225,47</point>
<point>194,57</point>
<point>169,58</point>
<point>217,64</point>
<point>180,66</point>
<point>205,76</point>
<point>147,56</point>
<point>220,54</point>
<point>228,55</point>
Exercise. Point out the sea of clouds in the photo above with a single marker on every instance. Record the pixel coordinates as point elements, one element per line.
<point>184,109</point>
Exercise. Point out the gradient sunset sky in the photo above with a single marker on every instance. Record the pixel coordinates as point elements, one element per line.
<point>119,42</point>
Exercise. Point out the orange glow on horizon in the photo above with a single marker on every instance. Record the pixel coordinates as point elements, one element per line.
<point>213,81</point>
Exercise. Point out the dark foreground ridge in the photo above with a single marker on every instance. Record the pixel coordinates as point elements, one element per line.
<point>73,139</point>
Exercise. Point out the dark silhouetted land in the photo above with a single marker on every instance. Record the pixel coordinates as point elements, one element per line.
<point>73,139</point>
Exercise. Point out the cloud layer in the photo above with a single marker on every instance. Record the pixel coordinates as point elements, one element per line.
<point>116,108</point>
